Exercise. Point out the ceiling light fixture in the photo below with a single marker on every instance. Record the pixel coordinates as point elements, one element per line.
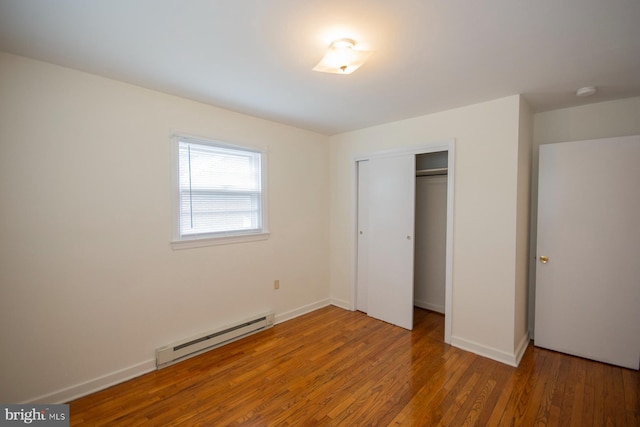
<point>342,58</point>
<point>586,91</point>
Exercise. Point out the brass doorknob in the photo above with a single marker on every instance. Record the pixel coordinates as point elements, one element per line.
<point>544,259</point>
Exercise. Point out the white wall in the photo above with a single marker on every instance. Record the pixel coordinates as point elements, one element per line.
<point>523,257</point>
<point>89,285</point>
<point>485,219</point>
<point>599,120</point>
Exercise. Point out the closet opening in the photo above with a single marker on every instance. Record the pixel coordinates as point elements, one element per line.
<point>430,242</point>
<point>404,236</point>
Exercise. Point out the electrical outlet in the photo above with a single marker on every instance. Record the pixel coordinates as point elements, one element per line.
<point>276,284</point>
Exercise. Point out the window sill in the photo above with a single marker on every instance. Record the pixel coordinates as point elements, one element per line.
<point>215,241</point>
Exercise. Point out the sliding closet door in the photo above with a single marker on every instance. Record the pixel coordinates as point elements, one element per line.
<point>390,244</point>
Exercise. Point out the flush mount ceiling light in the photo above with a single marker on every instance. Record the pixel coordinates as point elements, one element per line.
<point>342,58</point>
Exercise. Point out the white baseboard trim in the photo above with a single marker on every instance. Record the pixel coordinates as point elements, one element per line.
<point>522,347</point>
<point>341,303</point>
<point>429,306</point>
<point>70,393</point>
<point>507,358</point>
<point>292,314</point>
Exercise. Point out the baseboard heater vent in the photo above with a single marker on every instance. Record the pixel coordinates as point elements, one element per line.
<point>189,347</point>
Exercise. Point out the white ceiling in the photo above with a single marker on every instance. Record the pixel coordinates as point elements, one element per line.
<point>256,56</point>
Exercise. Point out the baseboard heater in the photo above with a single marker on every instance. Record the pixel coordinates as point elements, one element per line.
<point>193,346</point>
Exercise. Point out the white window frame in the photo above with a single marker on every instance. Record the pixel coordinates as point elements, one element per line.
<point>179,241</point>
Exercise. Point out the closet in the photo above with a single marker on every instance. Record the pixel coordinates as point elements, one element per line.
<point>430,231</point>
<point>403,236</point>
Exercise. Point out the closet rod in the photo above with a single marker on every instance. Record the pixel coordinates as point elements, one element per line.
<point>430,172</point>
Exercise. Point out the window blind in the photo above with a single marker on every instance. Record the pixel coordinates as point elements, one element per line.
<point>220,189</point>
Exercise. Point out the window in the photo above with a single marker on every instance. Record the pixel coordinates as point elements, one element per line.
<point>220,193</point>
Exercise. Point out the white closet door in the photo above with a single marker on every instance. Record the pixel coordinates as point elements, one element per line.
<point>363,236</point>
<point>588,269</point>
<point>391,225</point>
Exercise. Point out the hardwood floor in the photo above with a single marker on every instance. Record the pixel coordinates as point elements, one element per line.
<point>336,367</point>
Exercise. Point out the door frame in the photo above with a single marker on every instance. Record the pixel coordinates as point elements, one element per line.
<point>449,147</point>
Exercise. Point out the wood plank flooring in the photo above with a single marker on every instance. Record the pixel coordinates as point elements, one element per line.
<point>339,368</point>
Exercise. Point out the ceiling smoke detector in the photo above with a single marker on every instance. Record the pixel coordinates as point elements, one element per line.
<point>586,91</point>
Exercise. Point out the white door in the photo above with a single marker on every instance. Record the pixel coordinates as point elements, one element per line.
<point>588,287</point>
<point>390,242</point>
<point>363,236</point>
